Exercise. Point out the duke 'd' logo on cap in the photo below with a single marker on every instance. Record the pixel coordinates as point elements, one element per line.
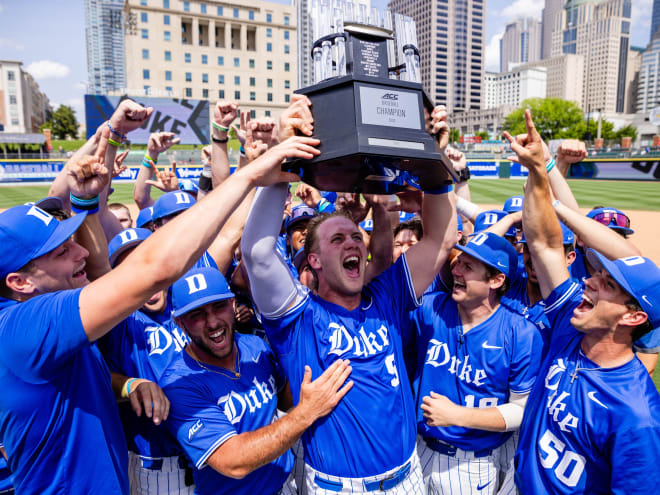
<point>127,236</point>
<point>196,283</point>
<point>37,212</point>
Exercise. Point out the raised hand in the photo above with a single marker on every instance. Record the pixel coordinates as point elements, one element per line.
<point>409,201</point>
<point>308,194</point>
<point>297,116</point>
<point>571,151</point>
<point>439,126</point>
<point>159,142</point>
<point>528,147</point>
<point>457,158</point>
<point>128,116</point>
<point>265,130</point>
<point>166,180</point>
<point>267,169</point>
<point>319,397</point>
<point>87,176</point>
<point>147,395</point>
<point>118,168</point>
<point>352,203</point>
<point>241,133</point>
<point>225,112</point>
<point>253,147</point>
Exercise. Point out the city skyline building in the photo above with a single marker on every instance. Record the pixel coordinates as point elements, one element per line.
<point>655,19</point>
<point>521,43</point>
<point>564,76</point>
<point>451,34</point>
<point>599,30</point>
<point>104,35</point>
<point>648,88</point>
<point>23,107</point>
<point>208,50</point>
<point>514,87</point>
<point>550,23</point>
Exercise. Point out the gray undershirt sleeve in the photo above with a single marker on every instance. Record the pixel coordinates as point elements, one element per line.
<point>272,284</point>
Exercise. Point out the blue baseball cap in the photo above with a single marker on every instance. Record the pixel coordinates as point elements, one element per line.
<point>404,217</point>
<point>367,225</point>
<point>145,216</point>
<point>494,251</point>
<point>638,276</point>
<point>171,203</point>
<point>488,218</point>
<point>49,203</point>
<point>329,196</point>
<point>126,239</point>
<point>298,258</point>
<point>198,287</point>
<point>188,185</point>
<point>568,237</point>
<point>513,204</point>
<point>27,232</point>
<point>299,213</point>
<point>612,218</point>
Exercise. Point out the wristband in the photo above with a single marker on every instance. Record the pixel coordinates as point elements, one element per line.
<point>205,183</point>
<point>80,205</point>
<point>218,140</point>
<point>466,208</point>
<point>148,158</point>
<point>242,151</point>
<point>114,143</point>
<point>219,127</point>
<point>440,190</point>
<point>555,203</point>
<point>121,136</point>
<point>551,164</point>
<point>145,163</point>
<point>126,389</point>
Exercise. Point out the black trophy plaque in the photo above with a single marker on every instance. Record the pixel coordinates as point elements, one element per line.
<point>372,128</point>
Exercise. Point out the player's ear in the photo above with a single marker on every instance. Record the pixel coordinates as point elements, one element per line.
<point>570,258</point>
<point>314,261</point>
<point>633,318</point>
<point>20,284</point>
<point>497,281</point>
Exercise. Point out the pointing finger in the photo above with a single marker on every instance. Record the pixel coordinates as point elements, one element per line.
<point>531,128</point>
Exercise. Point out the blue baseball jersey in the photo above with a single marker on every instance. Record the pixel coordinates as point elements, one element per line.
<point>649,343</point>
<point>578,269</point>
<point>479,368</point>
<point>587,429</point>
<point>372,429</point>
<point>58,416</point>
<point>140,347</point>
<point>209,405</point>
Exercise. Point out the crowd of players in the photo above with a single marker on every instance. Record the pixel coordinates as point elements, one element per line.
<point>231,343</point>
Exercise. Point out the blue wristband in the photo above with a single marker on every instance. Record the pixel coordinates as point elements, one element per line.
<point>121,136</point>
<point>551,164</point>
<point>79,205</point>
<point>440,190</point>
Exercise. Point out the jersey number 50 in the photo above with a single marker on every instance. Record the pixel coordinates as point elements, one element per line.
<point>571,465</point>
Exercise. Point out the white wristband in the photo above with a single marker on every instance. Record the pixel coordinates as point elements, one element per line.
<point>555,203</point>
<point>466,208</point>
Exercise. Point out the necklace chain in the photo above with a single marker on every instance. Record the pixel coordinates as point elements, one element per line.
<point>231,374</point>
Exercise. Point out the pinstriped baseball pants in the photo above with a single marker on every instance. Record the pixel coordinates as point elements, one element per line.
<point>457,475</point>
<point>413,484</point>
<point>505,454</point>
<point>170,480</point>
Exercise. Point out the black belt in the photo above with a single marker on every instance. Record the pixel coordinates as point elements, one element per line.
<point>449,450</point>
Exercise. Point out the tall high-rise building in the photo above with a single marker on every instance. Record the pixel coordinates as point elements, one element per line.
<point>655,18</point>
<point>211,50</point>
<point>648,87</point>
<point>514,87</point>
<point>550,24</point>
<point>451,37</point>
<point>599,30</point>
<point>521,43</point>
<point>104,32</point>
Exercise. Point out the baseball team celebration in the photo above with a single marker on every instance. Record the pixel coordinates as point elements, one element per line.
<point>326,311</point>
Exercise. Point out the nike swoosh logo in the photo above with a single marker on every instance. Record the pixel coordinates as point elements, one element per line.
<point>256,359</point>
<point>486,346</point>
<point>647,301</point>
<point>500,264</point>
<point>592,396</point>
<point>481,487</point>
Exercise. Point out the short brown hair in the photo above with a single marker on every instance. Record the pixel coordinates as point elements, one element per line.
<point>640,330</point>
<point>311,239</point>
<point>502,289</point>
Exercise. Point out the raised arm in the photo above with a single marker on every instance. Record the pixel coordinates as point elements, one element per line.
<point>570,151</point>
<point>382,238</point>
<point>168,253</point>
<point>542,230</point>
<point>438,221</point>
<point>158,143</point>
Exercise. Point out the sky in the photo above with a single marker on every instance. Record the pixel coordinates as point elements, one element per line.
<point>48,36</point>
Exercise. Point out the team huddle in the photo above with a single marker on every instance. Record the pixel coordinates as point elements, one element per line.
<point>234,342</point>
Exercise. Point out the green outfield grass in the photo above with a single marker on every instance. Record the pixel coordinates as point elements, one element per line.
<point>626,195</point>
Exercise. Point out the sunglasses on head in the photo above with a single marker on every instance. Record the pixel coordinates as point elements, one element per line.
<point>609,217</point>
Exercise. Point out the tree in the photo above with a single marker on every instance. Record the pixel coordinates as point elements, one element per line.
<point>554,118</point>
<point>63,123</point>
<point>484,135</point>
<point>627,131</point>
<point>454,135</point>
<point>589,131</point>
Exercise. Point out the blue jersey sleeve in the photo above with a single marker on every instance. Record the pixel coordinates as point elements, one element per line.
<point>526,357</point>
<point>634,457</point>
<point>40,335</point>
<point>395,288</point>
<point>197,422</point>
<point>559,306</point>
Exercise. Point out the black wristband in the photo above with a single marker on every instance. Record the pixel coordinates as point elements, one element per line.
<point>219,141</point>
<point>205,183</point>
<point>464,175</point>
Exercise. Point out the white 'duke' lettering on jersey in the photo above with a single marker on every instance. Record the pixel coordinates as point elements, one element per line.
<point>235,405</point>
<point>556,405</point>
<point>363,344</point>
<point>438,355</point>
<point>159,339</point>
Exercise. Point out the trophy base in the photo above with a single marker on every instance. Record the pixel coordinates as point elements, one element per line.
<point>373,138</point>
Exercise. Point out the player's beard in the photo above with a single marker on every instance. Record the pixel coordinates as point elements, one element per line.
<point>200,343</point>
